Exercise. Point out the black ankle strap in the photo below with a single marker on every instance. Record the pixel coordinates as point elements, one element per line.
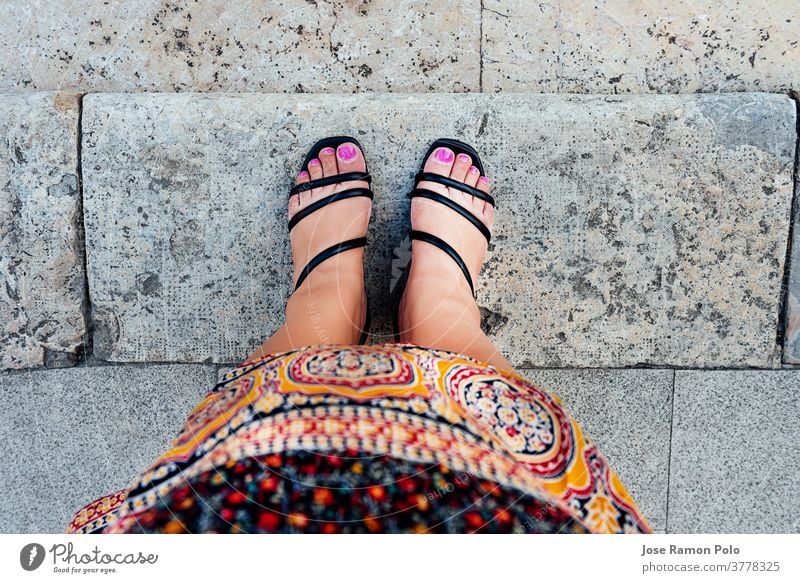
<point>331,251</point>
<point>444,246</point>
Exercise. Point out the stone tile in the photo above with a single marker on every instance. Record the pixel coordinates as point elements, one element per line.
<point>73,435</point>
<point>617,46</point>
<point>628,414</point>
<point>41,257</point>
<point>791,320</point>
<point>630,230</point>
<point>217,45</point>
<point>734,452</point>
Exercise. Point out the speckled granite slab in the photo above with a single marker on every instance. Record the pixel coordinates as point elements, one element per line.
<point>619,46</point>
<point>632,230</point>
<point>73,435</point>
<point>638,450</point>
<point>734,454</point>
<point>218,45</point>
<point>41,260</point>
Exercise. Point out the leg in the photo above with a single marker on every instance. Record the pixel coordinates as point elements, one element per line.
<point>437,309</point>
<point>329,307</point>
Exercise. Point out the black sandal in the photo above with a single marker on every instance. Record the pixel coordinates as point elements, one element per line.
<point>457,147</point>
<point>333,250</point>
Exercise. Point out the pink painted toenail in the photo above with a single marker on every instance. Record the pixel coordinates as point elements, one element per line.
<point>303,174</point>
<point>347,153</point>
<point>473,170</point>
<point>483,179</point>
<point>314,162</point>
<point>464,158</point>
<point>327,151</point>
<point>444,155</point>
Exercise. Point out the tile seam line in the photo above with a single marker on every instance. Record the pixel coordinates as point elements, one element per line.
<point>794,208</point>
<point>86,349</point>
<point>669,451</point>
<point>480,49</point>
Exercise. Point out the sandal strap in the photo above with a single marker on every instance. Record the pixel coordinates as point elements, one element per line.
<point>337,179</point>
<point>451,204</point>
<point>325,254</point>
<point>446,181</point>
<point>323,202</point>
<point>447,248</point>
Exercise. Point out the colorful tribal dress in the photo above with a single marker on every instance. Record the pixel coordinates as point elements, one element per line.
<point>384,438</point>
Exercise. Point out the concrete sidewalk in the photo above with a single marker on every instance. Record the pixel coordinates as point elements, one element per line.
<point>700,451</point>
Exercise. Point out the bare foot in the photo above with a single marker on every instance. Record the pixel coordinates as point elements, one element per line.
<point>334,223</point>
<point>437,291</point>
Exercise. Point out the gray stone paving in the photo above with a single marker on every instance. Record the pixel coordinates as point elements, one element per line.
<point>791,321</point>
<point>673,258</point>
<point>76,434</point>
<point>628,414</point>
<point>217,45</point>
<point>734,452</point>
<point>618,46</point>
<point>631,231</point>
<point>72,435</point>
<point>582,46</point>
<point>41,259</point>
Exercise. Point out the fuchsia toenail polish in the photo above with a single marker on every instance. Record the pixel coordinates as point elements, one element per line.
<point>444,155</point>
<point>464,158</point>
<point>313,162</point>
<point>473,170</point>
<point>327,151</point>
<point>483,179</point>
<point>347,153</point>
<point>303,174</point>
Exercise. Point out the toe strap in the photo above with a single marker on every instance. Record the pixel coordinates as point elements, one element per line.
<point>328,181</point>
<point>325,254</point>
<point>451,204</point>
<point>323,202</point>
<point>447,248</point>
<point>452,183</point>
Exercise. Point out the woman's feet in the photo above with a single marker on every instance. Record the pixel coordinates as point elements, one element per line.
<point>437,309</point>
<point>334,223</point>
<point>329,306</point>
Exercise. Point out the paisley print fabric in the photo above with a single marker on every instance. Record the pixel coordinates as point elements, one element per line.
<point>309,492</point>
<point>398,411</point>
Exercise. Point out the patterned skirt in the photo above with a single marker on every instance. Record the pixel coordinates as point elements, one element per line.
<point>384,438</point>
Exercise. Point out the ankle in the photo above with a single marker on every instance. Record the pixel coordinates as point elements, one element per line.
<point>343,269</point>
<point>431,306</point>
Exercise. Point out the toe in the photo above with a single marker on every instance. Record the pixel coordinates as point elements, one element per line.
<point>350,159</point>
<point>440,161</point>
<point>315,169</point>
<point>488,210</point>
<point>460,168</point>
<point>302,177</point>
<point>327,158</point>
<point>472,176</point>
<point>296,199</point>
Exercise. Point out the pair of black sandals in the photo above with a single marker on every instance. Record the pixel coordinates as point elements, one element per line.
<point>456,146</point>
